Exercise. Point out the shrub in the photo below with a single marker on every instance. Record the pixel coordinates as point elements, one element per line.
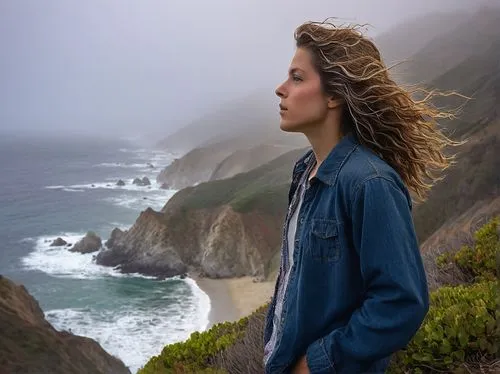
<point>195,355</point>
<point>461,322</point>
<point>246,354</point>
<point>471,263</point>
<point>480,261</point>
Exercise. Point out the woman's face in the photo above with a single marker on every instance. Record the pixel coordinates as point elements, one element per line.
<point>303,104</point>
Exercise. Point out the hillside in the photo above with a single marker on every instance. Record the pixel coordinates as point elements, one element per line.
<point>197,165</point>
<point>478,78</point>
<point>251,116</point>
<point>244,160</point>
<point>472,36</point>
<point>29,344</point>
<point>405,39</point>
<point>223,160</point>
<point>474,177</point>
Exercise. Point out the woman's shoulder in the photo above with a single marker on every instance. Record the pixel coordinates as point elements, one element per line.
<point>364,165</point>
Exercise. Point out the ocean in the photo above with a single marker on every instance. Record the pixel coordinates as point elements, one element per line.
<point>63,188</point>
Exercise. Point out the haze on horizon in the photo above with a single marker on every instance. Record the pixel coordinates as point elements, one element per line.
<point>128,68</point>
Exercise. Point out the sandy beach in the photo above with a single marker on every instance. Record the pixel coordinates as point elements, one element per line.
<point>234,298</point>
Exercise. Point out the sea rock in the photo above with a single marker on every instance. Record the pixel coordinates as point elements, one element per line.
<point>30,344</point>
<point>142,182</point>
<point>120,183</point>
<point>59,242</point>
<point>90,243</point>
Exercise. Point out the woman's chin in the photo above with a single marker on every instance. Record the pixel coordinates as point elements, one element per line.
<point>288,126</point>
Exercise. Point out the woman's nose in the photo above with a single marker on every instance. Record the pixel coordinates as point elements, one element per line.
<point>280,92</point>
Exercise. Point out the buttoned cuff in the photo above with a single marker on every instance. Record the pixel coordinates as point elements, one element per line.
<point>318,360</point>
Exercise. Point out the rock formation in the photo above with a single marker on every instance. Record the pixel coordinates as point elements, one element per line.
<point>29,344</point>
<point>88,244</point>
<point>212,242</point>
<point>59,242</point>
<point>142,182</point>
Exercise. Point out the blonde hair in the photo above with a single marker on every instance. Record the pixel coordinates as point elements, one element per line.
<point>400,129</point>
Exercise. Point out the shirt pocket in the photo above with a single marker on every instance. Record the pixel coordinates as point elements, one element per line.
<point>324,245</point>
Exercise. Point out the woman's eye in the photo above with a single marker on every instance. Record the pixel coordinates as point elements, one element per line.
<point>296,78</point>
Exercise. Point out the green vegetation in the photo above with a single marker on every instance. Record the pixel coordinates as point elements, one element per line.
<point>478,262</point>
<point>194,355</point>
<point>198,354</point>
<point>462,324</point>
<point>463,321</point>
<point>264,188</point>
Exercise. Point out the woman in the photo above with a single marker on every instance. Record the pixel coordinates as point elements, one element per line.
<point>352,288</point>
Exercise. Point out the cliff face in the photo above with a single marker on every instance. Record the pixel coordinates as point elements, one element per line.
<point>215,243</point>
<point>29,344</point>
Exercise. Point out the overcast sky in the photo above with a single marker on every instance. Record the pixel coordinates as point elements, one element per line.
<point>127,67</point>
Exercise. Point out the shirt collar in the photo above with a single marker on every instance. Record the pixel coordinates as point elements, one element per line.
<point>330,167</point>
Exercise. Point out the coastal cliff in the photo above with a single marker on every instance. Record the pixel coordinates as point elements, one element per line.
<point>216,243</point>
<point>218,229</point>
<point>29,344</point>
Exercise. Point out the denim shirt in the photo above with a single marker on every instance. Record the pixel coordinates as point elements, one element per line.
<point>357,290</point>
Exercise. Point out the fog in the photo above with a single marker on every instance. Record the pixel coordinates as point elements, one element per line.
<point>128,68</point>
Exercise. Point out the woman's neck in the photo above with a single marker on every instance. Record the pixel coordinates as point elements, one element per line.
<point>322,142</point>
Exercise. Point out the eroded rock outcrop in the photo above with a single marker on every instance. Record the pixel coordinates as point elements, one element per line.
<point>215,243</point>
<point>29,344</point>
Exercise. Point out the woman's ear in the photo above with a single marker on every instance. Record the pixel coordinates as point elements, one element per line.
<point>335,102</point>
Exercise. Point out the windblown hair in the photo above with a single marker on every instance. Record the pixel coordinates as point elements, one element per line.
<point>402,130</point>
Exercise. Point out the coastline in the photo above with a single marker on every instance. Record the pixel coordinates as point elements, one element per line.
<point>233,298</point>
